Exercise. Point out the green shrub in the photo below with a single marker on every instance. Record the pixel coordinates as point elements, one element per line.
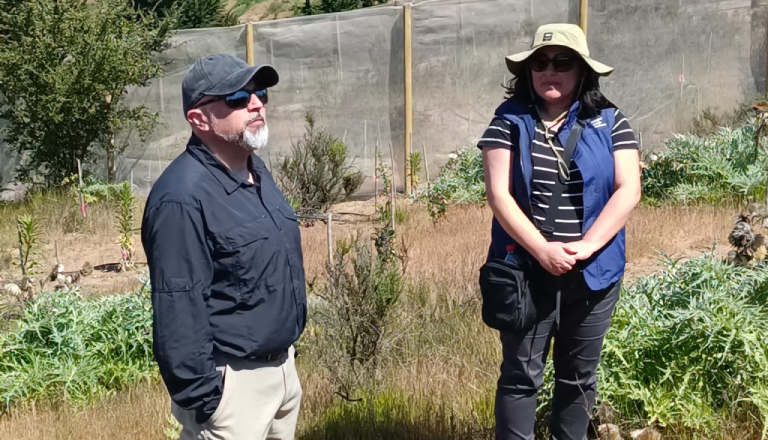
<point>314,7</point>
<point>192,14</point>
<point>687,345</point>
<point>67,347</point>
<point>361,291</point>
<point>318,173</point>
<point>461,181</point>
<point>717,168</point>
<point>93,190</point>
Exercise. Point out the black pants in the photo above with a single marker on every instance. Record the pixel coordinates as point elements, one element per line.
<point>585,317</point>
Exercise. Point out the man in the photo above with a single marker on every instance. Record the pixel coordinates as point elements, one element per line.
<point>225,262</point>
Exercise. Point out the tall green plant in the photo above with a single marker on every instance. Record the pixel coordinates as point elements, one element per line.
<point>28,229</point>
<point>386,179</point>
<point>414,168</point>
<point>64,69</point>
<point>126,224</point>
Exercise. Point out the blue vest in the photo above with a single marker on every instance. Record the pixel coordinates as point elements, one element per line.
<point>594,157</point>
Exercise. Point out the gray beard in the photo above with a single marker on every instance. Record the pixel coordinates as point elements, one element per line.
<point>255,141</point>
<point>247,140</point>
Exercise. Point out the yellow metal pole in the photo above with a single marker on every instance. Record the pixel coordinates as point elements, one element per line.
<point>249,54</point>
<point>583,12</point>
<point>408,100</point>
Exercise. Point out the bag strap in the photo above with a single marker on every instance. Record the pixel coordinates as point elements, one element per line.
<point>548,227</point>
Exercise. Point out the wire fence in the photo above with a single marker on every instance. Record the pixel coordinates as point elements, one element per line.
<point>427,76</point>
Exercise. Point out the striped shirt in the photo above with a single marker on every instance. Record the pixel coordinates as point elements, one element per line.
<point>570,212</point>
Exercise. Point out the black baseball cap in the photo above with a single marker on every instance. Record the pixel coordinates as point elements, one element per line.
<point>221,75</point>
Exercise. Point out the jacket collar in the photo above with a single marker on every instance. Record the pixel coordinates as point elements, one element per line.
<point>513,107</point>
<point>220,172</point>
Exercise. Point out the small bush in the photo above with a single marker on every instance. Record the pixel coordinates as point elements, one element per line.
<point>461,180</point>
<point>318,173</point>
<point>69,348</point>
<point>687,345</point>
<point>709,121</point>
<point>723,167</point>
<point>361,291</point>
<point>94,189</point>
<point>192,14</point>
<point>314,7</point>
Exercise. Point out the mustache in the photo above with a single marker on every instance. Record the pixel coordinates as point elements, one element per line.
<point>254,119</point>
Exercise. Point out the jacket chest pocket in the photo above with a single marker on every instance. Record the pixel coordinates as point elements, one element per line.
<point>244,254</point>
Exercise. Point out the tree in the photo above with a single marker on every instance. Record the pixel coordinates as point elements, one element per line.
<point>64,69</point>
<point>192,14</point>
<point>329,6</point>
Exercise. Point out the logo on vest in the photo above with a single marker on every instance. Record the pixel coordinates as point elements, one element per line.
<point>597,122</point>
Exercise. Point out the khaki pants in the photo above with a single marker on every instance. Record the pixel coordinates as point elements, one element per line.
<point>260,402</point>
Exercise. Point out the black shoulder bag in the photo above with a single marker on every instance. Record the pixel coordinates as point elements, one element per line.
<point>504,285</point>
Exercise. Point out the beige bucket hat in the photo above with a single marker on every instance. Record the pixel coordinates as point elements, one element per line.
<point>557,34</point>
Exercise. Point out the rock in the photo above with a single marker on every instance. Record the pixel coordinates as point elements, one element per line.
<point>606,414</point>
<point>757,209</point>
<point>11,289</point>
<point>760,253</point>
<point>646,434</point>
<point>609,432</point>
<point>13,192</point>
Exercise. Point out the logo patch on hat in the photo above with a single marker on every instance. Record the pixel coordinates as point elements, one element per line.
<point>547,36</point>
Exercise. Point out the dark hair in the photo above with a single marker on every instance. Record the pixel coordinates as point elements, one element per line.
<point>592,100</point>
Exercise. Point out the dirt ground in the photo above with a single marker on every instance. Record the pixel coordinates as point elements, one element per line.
<point>677,232</point>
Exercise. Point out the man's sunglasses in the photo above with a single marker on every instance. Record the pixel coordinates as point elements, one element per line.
<point>561,63</point>
<point>239,99</point>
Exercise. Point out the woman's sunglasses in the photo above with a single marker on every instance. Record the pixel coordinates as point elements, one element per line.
<point>561,63</point>
<point>239,99</point>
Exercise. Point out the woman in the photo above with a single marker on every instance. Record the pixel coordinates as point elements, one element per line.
<point>577,244</point>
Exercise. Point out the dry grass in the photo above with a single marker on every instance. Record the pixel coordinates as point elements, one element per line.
<point>449,253</point>
<point>137,414</point>
<point>452,252</point>
<point>676,230</point>
<point>441,361</point>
